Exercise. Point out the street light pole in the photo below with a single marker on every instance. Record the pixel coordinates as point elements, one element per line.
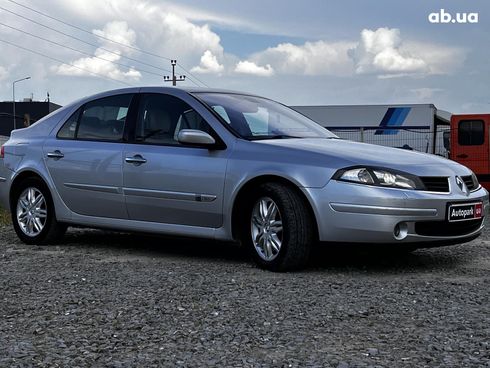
<point>13,97</point>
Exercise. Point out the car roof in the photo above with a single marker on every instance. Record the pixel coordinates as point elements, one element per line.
<point>213,90</point>
<point>172,89</point>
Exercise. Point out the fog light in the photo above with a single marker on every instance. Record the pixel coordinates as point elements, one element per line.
<point>401,231</point>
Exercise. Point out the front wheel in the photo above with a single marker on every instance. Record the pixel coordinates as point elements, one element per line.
<point>33,215</point>
<point>280,229</point>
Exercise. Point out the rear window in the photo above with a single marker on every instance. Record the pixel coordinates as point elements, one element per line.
<point>471,133</point>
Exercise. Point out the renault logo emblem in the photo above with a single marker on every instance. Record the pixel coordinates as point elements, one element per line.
<point>462,186</point>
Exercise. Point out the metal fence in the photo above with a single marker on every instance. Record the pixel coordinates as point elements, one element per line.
<point>423,140</point>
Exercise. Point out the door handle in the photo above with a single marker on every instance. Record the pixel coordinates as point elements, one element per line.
<point>56,154</point>
<point>463,155</point>
<point>136,160</point>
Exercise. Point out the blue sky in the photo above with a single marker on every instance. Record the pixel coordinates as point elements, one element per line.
<point>311,52</point>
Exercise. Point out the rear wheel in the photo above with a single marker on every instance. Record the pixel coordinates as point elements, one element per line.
<point>33,215</point>
<point>278,230</point>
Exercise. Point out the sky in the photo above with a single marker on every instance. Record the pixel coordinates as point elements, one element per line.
<point>317,52</point>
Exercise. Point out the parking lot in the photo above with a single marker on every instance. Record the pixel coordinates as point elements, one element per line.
<point>117,300</point>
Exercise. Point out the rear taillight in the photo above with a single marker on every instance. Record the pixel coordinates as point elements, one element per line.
<point>2,152</point>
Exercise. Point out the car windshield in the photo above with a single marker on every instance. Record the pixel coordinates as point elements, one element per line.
<point>256,118</point>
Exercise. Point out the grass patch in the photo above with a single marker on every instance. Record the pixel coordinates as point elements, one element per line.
<point>4,217</point>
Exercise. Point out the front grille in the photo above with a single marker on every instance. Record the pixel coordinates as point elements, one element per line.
<point>470,183</point>
<point>445,228</point>
<point>436,183</point>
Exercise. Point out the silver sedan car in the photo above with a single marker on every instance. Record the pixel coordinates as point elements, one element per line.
<point>228,166</point>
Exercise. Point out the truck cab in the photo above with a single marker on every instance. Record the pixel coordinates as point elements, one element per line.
<point>469,144</point>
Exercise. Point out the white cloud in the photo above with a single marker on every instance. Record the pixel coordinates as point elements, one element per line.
<point>117,31</point>
<point>439,59</point>
<point>163,28</point>
<point>249,67</point>
<point>382,52</point>
<point>209,64</point>
<point>105,56</point>
<point>100,11</point>
<point>378,52</point>
<point>311,58</point>
<point>175,36</point>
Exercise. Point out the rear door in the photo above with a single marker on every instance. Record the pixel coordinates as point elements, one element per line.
<point>84,157</point>
<point>470,142</point>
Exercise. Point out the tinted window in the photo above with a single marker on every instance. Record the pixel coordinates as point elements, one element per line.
<point>69,129</point>
<point>471,132</point>
<point>162,117</point>
<point>104,119</point>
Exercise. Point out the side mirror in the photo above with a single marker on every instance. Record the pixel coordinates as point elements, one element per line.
<point>195,137</point>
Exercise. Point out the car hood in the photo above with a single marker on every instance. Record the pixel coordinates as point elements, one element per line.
<point>347,153</point>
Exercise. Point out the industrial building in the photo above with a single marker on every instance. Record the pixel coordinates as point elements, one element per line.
<point>27,112</point>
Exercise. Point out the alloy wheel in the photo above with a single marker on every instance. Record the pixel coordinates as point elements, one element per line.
<point>31,211</point>
<point>266,228</point>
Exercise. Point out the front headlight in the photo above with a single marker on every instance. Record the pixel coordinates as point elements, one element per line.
<point>380,177</point>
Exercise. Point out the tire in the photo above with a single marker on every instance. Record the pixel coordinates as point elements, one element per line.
<point>281,239</point>
<point>33,213</point>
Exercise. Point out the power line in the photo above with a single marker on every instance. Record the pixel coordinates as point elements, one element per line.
<point>81,40</point>
<point>85,30</point>
<point>64,63</point>
<point>79,51</point>
<point>188,72</point>
<point>106,38</point>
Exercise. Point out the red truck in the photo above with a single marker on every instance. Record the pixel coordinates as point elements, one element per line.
<point>469,144</point>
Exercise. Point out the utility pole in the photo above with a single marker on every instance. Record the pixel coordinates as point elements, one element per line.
<point>13,97</point>
<point>174,78</point>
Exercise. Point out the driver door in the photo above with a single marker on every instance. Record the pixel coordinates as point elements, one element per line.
<point>165,181</point>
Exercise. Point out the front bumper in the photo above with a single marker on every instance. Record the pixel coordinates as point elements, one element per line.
<point>356,213</point>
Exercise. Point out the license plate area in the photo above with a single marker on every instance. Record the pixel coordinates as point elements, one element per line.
<point>465,211</point>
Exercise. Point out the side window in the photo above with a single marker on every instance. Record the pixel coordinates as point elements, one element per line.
<point>471,132</point>
<point>101,119</point>
<point>161,118</point>
<point>69,129</point>
<point>222,112</point>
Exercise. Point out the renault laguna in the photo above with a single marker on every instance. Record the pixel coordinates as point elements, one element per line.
<point>228,166</point>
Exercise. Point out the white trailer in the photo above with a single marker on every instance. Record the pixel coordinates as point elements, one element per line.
<point>419,127</point>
